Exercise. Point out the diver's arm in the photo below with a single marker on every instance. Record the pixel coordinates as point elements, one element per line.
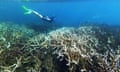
<point>38,14</point>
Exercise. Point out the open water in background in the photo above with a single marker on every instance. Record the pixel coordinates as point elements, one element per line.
<point>67,13</point>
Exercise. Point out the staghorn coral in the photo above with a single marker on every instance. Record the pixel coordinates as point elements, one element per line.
<point>12,41</point>
<point>11,34</point>
<point>79,49</point>
<point>89,48</point>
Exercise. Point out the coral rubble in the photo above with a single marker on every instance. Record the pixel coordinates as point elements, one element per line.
<point>89,48</point>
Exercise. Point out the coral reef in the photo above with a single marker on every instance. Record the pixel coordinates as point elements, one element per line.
<point>88,48</point>
<point>13,38</point>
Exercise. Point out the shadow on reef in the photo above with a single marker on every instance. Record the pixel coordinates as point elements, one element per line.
<point>88,48</point>
<point>43,27</point>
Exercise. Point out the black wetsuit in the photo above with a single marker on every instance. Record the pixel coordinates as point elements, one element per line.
<point>45,18</point>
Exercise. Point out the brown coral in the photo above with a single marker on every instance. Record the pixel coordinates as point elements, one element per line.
<point>84,49</point>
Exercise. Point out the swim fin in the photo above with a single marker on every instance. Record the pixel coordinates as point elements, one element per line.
<point>27,10</point>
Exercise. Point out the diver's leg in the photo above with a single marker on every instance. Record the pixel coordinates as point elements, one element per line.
<point>38,14</point>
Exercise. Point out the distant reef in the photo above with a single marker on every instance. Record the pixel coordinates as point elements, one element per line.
<point>88,48</point>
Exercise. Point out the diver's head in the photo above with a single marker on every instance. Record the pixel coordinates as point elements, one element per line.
<point>52,19</point>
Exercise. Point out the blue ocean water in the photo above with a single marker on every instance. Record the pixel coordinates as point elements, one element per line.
<point>67,13</point>
<point>90,44</point>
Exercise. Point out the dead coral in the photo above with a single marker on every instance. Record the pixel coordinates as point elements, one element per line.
<point>12,41</point>
<point>84,49</point>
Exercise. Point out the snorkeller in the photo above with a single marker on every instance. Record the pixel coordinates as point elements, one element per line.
<point>30,11</point>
